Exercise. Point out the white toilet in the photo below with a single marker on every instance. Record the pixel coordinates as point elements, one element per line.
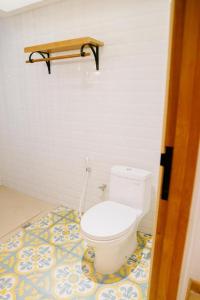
<point>110,227</point>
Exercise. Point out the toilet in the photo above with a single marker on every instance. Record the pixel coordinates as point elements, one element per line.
<point>110,227</point>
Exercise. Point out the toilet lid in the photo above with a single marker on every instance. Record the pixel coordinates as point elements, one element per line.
<point>108,220</point>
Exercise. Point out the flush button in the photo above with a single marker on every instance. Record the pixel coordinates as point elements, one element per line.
<point>128,169</point>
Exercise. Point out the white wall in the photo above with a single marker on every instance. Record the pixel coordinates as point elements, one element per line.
<point>114,117</point>
<point>191,265</point>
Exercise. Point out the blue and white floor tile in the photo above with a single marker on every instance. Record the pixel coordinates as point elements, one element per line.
<point>49,261</point>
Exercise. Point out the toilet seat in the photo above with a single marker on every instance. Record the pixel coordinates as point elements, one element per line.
<point>108,220</point>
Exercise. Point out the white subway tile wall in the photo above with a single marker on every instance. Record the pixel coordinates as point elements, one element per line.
<point>50,123</point>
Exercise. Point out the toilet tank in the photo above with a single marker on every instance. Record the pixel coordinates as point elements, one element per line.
<point>131,187</point>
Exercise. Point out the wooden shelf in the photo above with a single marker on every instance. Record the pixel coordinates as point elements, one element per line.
<point>65,45</point>
<point>45,50</point>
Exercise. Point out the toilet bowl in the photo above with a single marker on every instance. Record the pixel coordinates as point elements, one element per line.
<point>110,227</point>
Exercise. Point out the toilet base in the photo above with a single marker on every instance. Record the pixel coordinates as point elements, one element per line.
<point>111,255</point>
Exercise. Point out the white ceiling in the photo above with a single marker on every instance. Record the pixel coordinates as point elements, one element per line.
<point>10,5</point>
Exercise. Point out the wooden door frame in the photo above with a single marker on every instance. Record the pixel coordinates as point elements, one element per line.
<point>182,132</point>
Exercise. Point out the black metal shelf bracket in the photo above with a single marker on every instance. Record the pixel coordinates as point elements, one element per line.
<point>95,51</point>
<point>166,162</point>
<point>44,55</point>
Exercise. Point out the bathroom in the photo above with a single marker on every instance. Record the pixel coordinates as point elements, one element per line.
<point>65,128</point>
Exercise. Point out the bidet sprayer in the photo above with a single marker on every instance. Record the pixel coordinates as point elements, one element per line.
<point>88,169</point>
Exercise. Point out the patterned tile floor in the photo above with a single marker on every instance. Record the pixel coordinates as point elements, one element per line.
<point>49,261</point>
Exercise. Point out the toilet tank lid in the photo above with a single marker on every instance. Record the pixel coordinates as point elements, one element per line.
<point>129,172</point>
